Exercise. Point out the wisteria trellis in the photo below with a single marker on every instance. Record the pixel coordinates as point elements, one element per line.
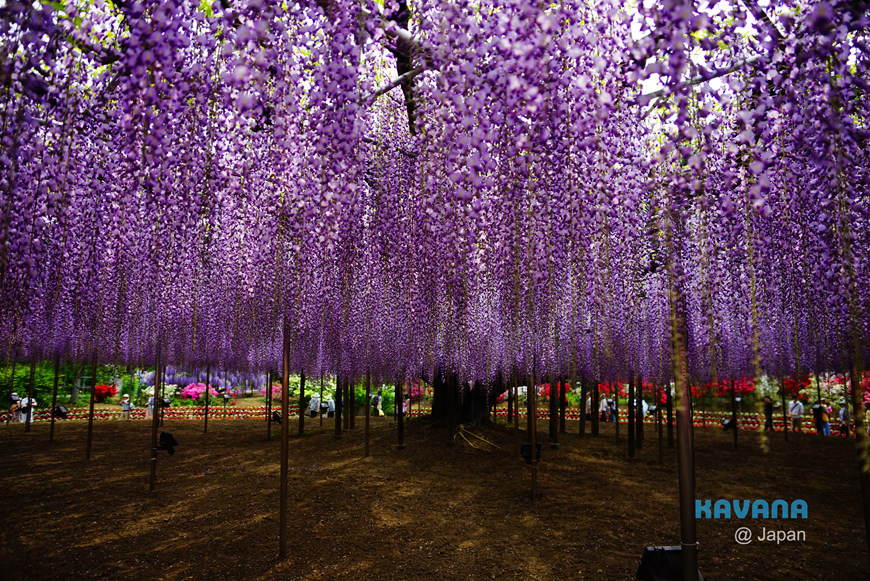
<point>201,174</point>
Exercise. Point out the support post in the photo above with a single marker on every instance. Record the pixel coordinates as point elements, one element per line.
<point>91,410</point>
<point>207,397</point>
<point>734,410</point>
<point>584,393</point>
<point>532,393</point>
<point>285,449</point>
<point>54,396</point>
<point>510,400</point>
<point>658,391</point>
<point>639,413</point>
<point>596,403</point>
<point>152,481</point>
<point>784,407</point>
<point>339,404</point>
<point>670,410</point>
<point>562,405</point>
<point>631,417</point>
<point>554,411</point>
<point>351,396</point>
<point>368,411</point>
<point>301,403</point>
<point>30,391</point>
<point>400,412</point>
<point>616,408</point>
<point>320,407</point>
<point>269,406</point>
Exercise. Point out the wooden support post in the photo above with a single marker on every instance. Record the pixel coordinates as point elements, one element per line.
<point>734,411</point>
<point>351,394</point>
<point>553,414</point>
<point>269,406</point>
<point>368,405</point>
<point>632,418</point>
<point>28,418</point>
<point>596,403</point>
<point>670,410</point>
<point>320,407</point>
<point>638,440</point>
<point>562,405</point>
<point>207,397</point>
<point>163,394</point>
<point>302,411</point>
<point>54,396</point>
<point>615,389</point>
<point>339,404</point>
<point>510,400</point>
<point>584,393</point>
<point>285,448</point>
<point>91,412</point>
<point>784,407</point>
<point>400,412</point>
<point>152,481</point>
<point>533,429</point>
<point>658,391</point>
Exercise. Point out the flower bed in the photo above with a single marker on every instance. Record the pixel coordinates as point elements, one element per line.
<point>173,413</point>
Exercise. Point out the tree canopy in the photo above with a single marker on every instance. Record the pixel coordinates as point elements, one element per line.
<point>473,185</point>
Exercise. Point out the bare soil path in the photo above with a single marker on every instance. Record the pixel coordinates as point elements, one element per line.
<point>426,512</point>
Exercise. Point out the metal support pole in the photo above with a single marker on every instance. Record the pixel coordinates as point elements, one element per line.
<point>301,403</point>
<point>631,417</point>
<point>339,403</point>
<point>207,397</point>
<point>368,410</point>
<point>285,450</point>
<point>400,412</point>
<point>532,394</point>
<point>31,389</point>
<point>54,397</point>
<point>269,406</point>
<point>91,412</point>
<point>734,410</point>
<point>152,481</point>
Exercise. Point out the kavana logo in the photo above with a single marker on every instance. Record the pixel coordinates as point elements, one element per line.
<point>743,508</point>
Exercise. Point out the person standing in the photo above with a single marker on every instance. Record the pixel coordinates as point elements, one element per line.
<point>149,408</point>
<point>27,407</point>
<point>589,408</point>
<point>825,418</point>
<point>796,412</point>
<point>604,410</point>
<point>330,407</point>
<point>768,414</point>
<point>845,419</point>
<point>126,407</point>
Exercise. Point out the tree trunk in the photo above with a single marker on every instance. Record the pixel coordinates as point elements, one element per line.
<point>453,405</point>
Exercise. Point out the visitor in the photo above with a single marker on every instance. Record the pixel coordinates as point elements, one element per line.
<point>149,408</point>
<point>126,407</point>
<point>796,412</point>
<point>330,407</point>
<point>314,405</point>
<point>377,404</point>
<point>604,410</point>
<point>589,408</point>
<point>768,414</point>
<point>825,418</point>
<point>13,409</point>
<point>845,419</point>
<point>614,414</point>
<point>26,409</point>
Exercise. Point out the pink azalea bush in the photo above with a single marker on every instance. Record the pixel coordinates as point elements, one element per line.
<point>194,391</point>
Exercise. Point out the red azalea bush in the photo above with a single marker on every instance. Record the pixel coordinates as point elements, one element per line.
<point>794,385</point>
<point>103,392</point>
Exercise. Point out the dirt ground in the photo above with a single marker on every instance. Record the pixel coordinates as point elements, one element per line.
<point>427,512</point>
